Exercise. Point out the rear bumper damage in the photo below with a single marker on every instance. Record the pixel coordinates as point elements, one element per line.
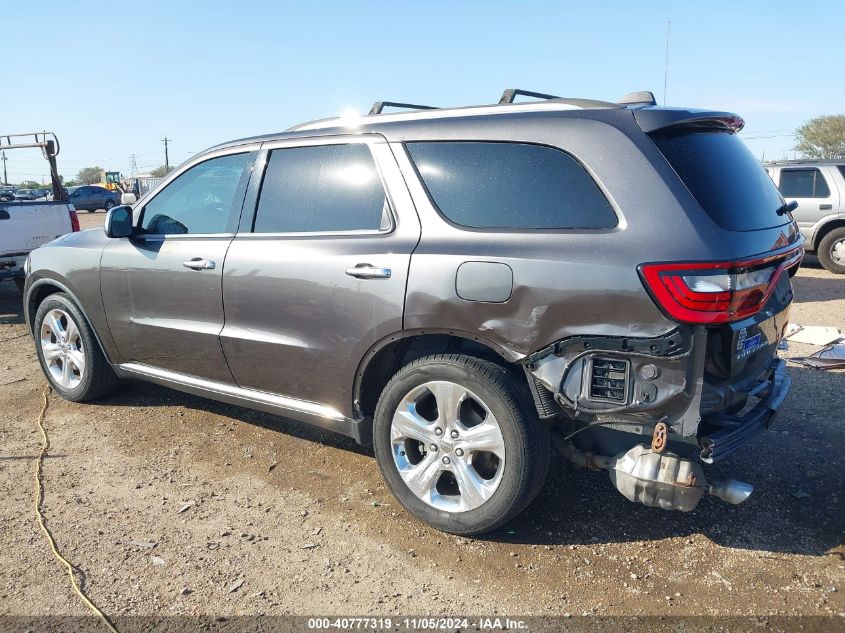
<point>660,385</point>
<point>735,430</point>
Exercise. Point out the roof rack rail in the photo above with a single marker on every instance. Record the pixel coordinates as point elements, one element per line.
<point>510,94</point>
<point>805,161</point>
<point>643,97</point>
<point>378,106</point>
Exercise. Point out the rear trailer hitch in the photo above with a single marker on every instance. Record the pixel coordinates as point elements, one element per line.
<point>658,479</point>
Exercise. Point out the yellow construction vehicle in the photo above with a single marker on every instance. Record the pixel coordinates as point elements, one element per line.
<point>111,180</point>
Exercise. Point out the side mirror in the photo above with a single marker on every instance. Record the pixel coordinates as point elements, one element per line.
<point>119,222</point>
<point>128,198</point>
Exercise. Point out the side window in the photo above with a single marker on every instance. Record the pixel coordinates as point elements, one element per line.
<point>323,188</point>
<point>204,199</point>
<point>803,183</point>
<point>510,186</point>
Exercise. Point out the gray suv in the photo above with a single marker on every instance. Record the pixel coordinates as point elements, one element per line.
<point>460,288</point>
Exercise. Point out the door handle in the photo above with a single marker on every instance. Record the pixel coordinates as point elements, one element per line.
<point>826,207</point>
<point>366,271</point>
<point>198,263</point>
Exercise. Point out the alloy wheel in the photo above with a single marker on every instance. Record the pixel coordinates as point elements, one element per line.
<point>837,252</point>
<point>447,446</point>
<point>62,348</point>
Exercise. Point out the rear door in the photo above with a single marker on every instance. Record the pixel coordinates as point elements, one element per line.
<point>162,288</point>
<point>814,188</point>
<point>317,273</point>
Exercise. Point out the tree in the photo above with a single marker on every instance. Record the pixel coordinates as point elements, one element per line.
<point>29,184</point>
<point>73,182</point>
<point>89,175</point>
<point>822,137</point>
<point>161,171</point>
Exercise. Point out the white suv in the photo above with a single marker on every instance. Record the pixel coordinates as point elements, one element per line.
<point>819,189</point>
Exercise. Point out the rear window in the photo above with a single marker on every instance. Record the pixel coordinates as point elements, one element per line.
<point>725,178</point>
<point>490,185</point>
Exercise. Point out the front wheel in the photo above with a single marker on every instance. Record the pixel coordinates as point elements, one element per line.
<point>831,251</point>
<point>69,354</point>
<point>459,443</point>
<point>109,205</point>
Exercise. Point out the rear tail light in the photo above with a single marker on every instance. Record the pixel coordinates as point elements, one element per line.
<point>74,219</point>
<point>716,292</point>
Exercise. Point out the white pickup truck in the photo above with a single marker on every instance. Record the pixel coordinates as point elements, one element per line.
<point>27,224</point>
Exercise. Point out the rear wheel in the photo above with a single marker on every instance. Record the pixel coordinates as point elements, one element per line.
<point>831,251</point>
<point>69,354</point>
<point>459,443</point>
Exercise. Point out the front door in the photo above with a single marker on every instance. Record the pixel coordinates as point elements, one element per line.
<point>162,288</point>
<point>317,274</point>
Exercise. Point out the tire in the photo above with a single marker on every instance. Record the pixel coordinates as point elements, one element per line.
<point>109,205</point>
<point>461,488</point>
<point>62,333</point>
<point>831,251</point>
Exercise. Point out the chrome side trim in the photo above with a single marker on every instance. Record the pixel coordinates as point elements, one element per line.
<point>217,389</point>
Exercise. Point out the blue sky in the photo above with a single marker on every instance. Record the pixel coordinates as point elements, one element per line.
<point>113,78</point>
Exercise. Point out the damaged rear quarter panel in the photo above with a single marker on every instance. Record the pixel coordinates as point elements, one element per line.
<point>565,282</point>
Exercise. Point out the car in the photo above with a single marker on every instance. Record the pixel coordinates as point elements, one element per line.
<point>92,197</point>
<point>461,288</point>
<point>818,189</point>
<point>25,194</point>
<point>7,193</point>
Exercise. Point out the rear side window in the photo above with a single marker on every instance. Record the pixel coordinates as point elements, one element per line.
<point>491,185</point>
<point>803,183</point>
<point>325,188</point>
<point>725,178</point>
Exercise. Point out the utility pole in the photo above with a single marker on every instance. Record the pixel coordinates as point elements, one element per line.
<point>133,166</point>
<point>165,140</point>
<point>5,177</point>
<point>666,68</point>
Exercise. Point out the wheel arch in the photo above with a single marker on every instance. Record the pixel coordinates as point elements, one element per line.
<point>42,288</point>
<point>391,353</point>
<point>826,228</point>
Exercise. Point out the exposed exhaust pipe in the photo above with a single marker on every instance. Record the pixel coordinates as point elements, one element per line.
<point>661,480</point>
<point>731,490</point>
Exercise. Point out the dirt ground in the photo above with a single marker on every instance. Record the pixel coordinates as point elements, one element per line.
<point>172,504</point>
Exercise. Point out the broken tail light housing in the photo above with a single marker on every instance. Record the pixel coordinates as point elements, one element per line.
<point>716,292</point>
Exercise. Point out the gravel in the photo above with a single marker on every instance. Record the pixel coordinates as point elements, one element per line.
<point>148,491</point>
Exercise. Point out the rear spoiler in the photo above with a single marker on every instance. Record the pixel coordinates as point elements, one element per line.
<point>671,119</point>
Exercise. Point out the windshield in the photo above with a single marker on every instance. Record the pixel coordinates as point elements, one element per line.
<point>725,178</point>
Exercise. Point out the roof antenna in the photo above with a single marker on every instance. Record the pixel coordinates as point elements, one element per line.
<point>666,68</point>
